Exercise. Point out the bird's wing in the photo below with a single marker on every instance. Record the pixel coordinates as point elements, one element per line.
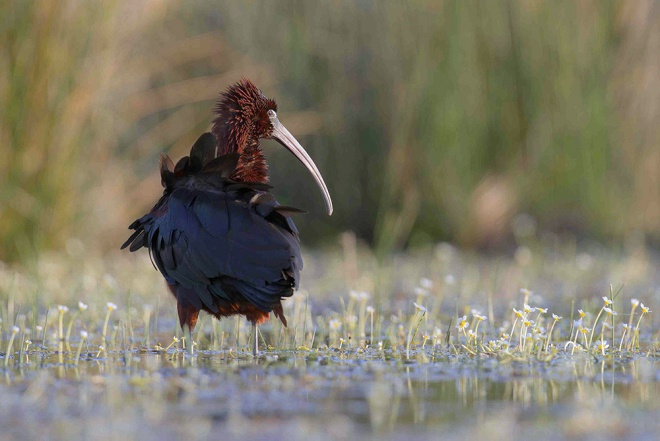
<point>199,238</point>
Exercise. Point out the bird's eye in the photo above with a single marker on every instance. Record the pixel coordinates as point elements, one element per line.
<point>272,114</point>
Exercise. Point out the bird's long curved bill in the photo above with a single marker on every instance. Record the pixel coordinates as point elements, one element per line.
<point>282,135</point>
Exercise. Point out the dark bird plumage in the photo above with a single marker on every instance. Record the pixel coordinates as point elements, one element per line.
<point>222,242</point>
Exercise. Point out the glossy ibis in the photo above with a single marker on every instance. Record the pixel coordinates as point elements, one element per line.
<point>222,242</point>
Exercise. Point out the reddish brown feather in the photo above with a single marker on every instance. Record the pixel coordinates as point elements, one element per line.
<point>188,313</point>
<point>242,120</point>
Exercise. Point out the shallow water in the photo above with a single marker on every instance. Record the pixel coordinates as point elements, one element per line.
<point>329,395</point>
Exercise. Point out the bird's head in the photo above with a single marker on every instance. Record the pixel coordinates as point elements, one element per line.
<point>245,116</point>
<point>242,116</point>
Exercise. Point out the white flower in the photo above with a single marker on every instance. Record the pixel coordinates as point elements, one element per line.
<point>84,335</point>
<point>109,280</point>
<point>543,310</point>
<point>360,296</point>
<point>419,307</point>
<point>62,308</point>
<point>425,283</point>
<point>335,324</point>
<point>634,302</point>
<point>528,309</point>
<point>82,306</point>
<point>609,311</point>
<point>111,306</point>
<point>645,309</point>
<point>421,292</point>
<point>607,301</point>
<point>370,309</point>
<point>480,317</point>
<point>462,323</point>
<point>556,317</point>
<point>518,312</point>
<point>471,334</point>
<point>601,345</point>
<point>15,329</point>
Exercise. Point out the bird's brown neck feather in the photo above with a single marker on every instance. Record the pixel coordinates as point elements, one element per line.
<point>251,163</point>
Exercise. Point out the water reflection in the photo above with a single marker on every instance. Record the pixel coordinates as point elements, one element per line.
<point>229,387</point>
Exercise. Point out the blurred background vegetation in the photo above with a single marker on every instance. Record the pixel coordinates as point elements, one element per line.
<point>430,120</point>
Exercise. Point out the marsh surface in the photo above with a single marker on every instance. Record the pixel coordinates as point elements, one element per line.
<point>463,346</point>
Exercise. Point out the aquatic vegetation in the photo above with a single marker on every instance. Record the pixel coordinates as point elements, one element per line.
<point>425,341</point>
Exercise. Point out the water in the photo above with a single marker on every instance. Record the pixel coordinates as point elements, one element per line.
<point>330,395</point>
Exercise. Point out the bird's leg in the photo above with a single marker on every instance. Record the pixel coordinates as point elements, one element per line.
<point>187,319</point>
<point>187,331</point>
<point>255,350</point>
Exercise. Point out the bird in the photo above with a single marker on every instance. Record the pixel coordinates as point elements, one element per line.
<point>217,234</point>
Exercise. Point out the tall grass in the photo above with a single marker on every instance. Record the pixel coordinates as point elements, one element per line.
<point>446,119</point>
<point>89,95</point>
<point>430,120</point>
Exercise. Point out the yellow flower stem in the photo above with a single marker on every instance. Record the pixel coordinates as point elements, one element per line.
<point>68,330</point>
<point>410,339</point>
<point>61,326</point>
<point>8,352</point>
<point>105,327</point>
<point>79,351</point>
<point>547,342</point>
<point>593,329</point>
<point>476,328</point>
<point>371,335</point>
<point>174,340</point>
<point>623,337</point>
<point>636,333</point>
<point>513,329</point>
<point>632,315</point>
